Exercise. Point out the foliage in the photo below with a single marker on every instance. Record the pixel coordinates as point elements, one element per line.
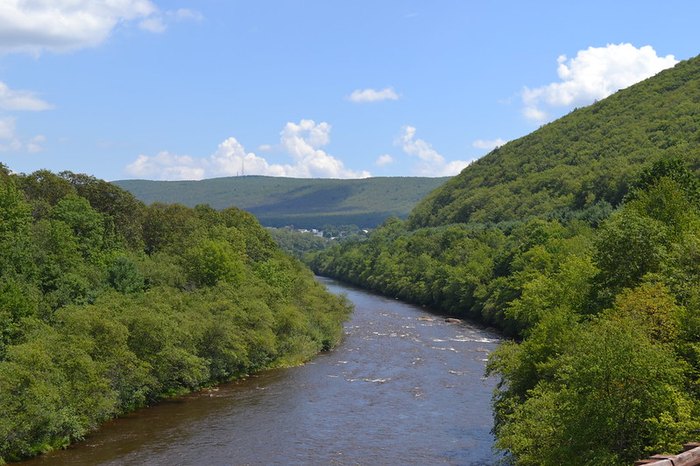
<point>298,243</point>
<point>608,314</point>
<point>107,305</point>
<point>582,241</point>
<point>587,158</point>
<point>612,393</point>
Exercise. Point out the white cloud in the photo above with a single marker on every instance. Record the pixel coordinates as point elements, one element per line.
<point>20,100</point>
<point>7,130</point>
<point>12,100</point>
<point>594,73</point>
<point>488,144</point>
<point>153,24</point>
<point>372,95</point>
<point>302,141</point>
<point>10,141</point>
<point>184,14</point>
<point>231,159</point>
<point>63,25</point>
<point>431,163</point>
<point>384,160</point>
<point>535,114</point>
<point>35,144</point>
<point>166,166</point>
<point>158,22</point>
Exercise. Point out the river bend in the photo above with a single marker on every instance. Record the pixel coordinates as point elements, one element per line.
<point>404,387</point>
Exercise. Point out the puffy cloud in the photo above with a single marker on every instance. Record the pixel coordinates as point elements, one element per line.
<point>63,25</point>
<point>302,141</point>
<point>384,160</point>
<point>305,137</point>
<point>166,166</point>
<point>372,95</point>
<point>431,163</point>
<point>20,100</point>
<point>418,147</point>
<point>594,73</point>
<point>231,159</point>
<point>488,144</point>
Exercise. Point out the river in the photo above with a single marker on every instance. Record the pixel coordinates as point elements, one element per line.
<point>404,387</point>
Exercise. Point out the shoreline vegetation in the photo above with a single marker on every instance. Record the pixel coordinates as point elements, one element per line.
<point>107,305</point>
<point>582,242</point>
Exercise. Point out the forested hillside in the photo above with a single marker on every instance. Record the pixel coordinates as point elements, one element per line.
<point>582,161</point>
<point>304,203</point>
<point>107,305</point>
<point>582,241</point>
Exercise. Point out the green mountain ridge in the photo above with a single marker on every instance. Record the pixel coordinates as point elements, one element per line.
<point>581,159</point>
<point>307,203</point>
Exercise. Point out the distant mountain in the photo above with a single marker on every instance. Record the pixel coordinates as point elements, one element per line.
<point>585,158</point>
<point>306,203</point>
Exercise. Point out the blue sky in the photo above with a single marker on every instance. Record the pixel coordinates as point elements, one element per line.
<point>198,89</point>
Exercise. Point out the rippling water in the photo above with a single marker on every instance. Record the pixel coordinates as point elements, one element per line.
<point>405,387</point>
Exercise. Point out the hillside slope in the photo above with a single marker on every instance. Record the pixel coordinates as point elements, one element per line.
<point>584,158</point>
<point>308,203</point>
<point>582,240</point>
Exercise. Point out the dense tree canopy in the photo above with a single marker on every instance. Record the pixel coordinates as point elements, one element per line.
<point>585,160</point>
<point>107,305</point>
<point>581,241</point>
<point>607,311</point>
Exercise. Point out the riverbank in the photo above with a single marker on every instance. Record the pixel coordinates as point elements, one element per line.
<point>398,389</point>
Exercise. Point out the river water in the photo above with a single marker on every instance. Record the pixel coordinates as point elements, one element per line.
<point>404,387</point>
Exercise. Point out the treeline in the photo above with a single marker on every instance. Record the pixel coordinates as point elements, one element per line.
<point>298,243</point>
<point>605,305</point>
<point>107,305</point>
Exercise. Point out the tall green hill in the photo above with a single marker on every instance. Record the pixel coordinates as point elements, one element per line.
<point>308,203</point>
<point>583,240</point>
<point>584,158</point>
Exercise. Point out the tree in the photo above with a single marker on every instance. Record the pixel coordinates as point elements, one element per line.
<point>86,223</point>
<point>15,225</point>
<point>212,261</point>
<point>628,246</point>
<point>124,276</point>
<point>615,397</point>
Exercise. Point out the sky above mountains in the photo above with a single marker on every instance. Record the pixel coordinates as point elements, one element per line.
<point>207,88</point>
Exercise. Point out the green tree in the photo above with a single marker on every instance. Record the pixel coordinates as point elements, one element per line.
<point>212,261</point>
<point>124,276</point>
<point>628,246</point>
<point>615,397</point>
<point>87,224</point>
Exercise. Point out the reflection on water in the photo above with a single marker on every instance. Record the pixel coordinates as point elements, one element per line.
<point>405,387</point>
